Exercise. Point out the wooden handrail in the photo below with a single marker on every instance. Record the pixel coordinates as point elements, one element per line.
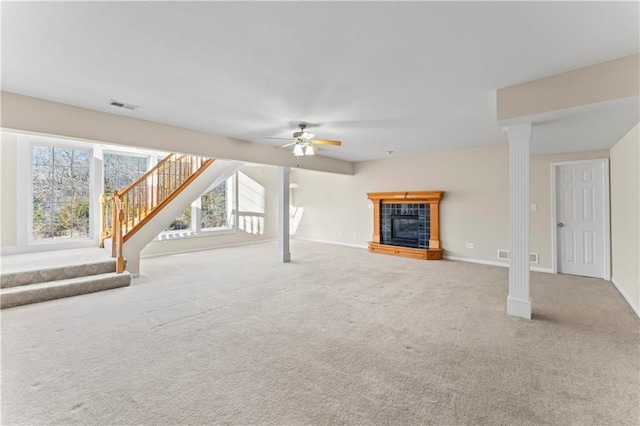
<point>104,222</point>
<point>147,174</point>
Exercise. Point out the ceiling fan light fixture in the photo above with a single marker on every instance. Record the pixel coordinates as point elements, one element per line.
<point>298,151</point>
<point>309,150</point>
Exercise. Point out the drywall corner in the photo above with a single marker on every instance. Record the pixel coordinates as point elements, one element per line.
<point>625,216</point>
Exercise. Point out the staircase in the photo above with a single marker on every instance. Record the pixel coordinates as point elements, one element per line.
<point>125,216</point>
<point>38,277</point>
<point>127,211</point>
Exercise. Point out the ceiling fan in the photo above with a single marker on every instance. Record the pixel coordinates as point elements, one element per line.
<point>304,143</point>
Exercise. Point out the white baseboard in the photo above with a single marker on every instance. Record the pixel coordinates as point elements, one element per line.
<point>491,263</point>
<point>47,246</point>
<point>460,259</point>
<point>626,297</point>
<point>171,253</point>
<point>331,242</point>
<point>543,270</point>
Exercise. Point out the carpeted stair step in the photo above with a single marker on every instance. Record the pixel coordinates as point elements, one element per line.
<point>54,273</point>
<point>43,291</point>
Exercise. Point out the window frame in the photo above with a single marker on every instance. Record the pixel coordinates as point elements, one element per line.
<point>24,205</point>
<point>196,230</point>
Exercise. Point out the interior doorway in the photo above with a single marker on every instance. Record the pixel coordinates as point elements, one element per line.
<point>581,234</point>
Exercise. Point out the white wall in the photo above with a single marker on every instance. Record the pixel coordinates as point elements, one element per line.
<point>8,188</point>
<point>606,81</point>
<point>264,180</point>
<point>475,207</point>
<point>625,216</point>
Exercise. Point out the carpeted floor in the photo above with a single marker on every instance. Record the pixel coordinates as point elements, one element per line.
<point>338,336</point>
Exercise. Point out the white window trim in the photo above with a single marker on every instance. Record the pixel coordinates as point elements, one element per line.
<point>25,241</point>
<point>196,231</point>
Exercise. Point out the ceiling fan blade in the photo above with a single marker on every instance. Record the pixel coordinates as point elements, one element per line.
<point>283,139</point>
<point>285,145</point>
<point>306,136</point>
<point>327,142</point>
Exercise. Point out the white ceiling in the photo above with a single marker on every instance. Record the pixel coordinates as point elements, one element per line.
<point>403,76</point>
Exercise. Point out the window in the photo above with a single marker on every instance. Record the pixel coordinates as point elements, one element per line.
<point>182,222</point>
<point>214,208</point>
<point>60,192</point>
<point>214,211</point>
<point>122,170</point>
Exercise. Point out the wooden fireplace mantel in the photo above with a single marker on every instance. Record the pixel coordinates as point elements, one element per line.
<point>434,252</point>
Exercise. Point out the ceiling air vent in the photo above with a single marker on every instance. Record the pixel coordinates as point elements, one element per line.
<point>123,105</point>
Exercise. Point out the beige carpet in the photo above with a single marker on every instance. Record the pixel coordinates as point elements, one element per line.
<point>338,336</point>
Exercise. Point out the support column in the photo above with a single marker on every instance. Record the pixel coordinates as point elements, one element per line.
<point>518,301</point>
<point>283,214</point>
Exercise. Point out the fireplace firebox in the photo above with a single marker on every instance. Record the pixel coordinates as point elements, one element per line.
<point>404,230</point>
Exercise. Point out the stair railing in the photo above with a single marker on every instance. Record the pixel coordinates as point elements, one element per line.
<point>106,217</point>
<point>117,244</point>
<point>129,209</point>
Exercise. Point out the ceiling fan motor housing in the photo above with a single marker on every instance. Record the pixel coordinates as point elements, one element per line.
<point>301,132</point>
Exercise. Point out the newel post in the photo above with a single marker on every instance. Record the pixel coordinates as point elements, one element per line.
<point>120,258</point>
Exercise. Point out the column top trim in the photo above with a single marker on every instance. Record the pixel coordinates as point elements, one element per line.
<point>516,131</point>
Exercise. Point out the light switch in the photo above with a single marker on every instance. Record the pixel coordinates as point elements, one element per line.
<point>534,207</point>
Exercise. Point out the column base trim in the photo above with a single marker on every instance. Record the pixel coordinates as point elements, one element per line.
<point>284,257</point>
<point>519,308</point>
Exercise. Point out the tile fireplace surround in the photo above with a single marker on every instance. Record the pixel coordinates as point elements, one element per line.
<point>386,204</point>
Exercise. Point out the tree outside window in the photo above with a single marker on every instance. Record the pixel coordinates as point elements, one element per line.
<point>122,170</point>
<point>210,213</point>
<point>60,190</point>
<point>213,208</point>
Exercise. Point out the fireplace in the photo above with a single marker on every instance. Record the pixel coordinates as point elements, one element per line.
<point>406,224</point>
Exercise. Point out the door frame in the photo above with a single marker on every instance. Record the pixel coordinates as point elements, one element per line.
<point>606,216</point>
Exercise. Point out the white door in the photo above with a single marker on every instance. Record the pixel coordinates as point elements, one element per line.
<point>580,218</point>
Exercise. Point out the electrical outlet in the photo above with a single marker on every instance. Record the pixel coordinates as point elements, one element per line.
<point>471,245</point>
<point>355,234</point>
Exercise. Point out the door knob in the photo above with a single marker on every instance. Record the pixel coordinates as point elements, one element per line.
<point>560,225</point>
